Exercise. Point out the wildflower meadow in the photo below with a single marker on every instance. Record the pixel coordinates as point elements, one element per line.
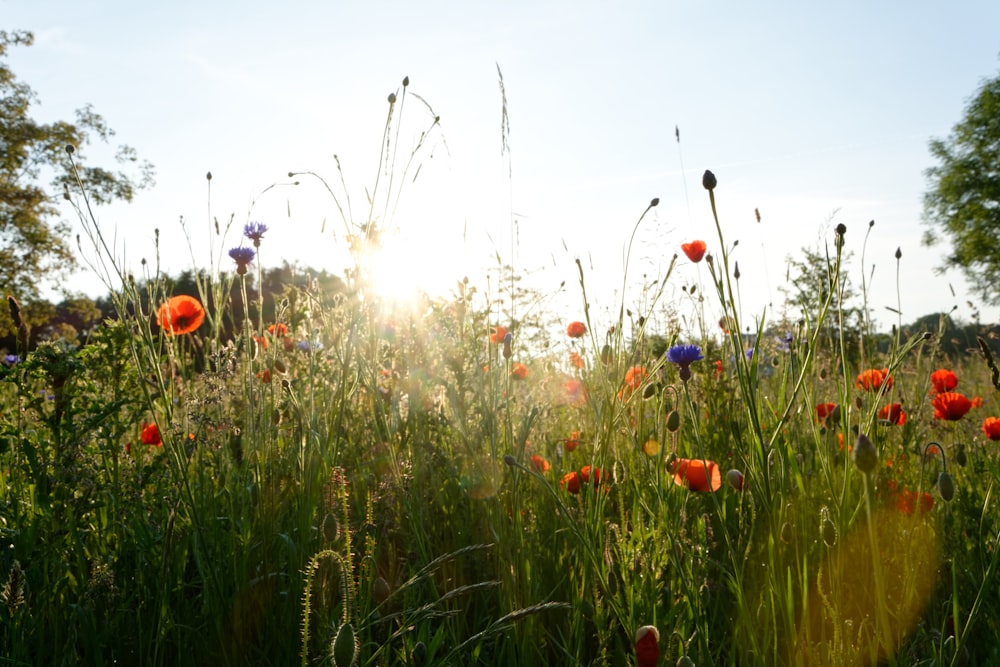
<point>307,475</point>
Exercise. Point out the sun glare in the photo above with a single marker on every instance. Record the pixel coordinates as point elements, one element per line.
<point>405,267</point>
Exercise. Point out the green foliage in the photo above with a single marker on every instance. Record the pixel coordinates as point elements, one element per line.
<point>962,204</point>
<point>315,477</point>
<point>34,246</point>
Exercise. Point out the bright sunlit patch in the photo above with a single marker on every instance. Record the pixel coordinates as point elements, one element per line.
<point>406,266</point>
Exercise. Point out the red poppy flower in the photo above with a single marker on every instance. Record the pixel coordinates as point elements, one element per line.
<point>150,435</point>
<point>180,314</point>
<point>576,330</point>
<point>571,482</point>
<point>991,427</point>
<point>718,367</point>
<point>540,464</point>
<point>519,371</point>
<point>873,379</point>
<point>951,406</point>
<point>977,401</point>
<point>278,330</point>
<point>697,475</point>
<point>574,440</point>
<point>695,250</point>
<point>575,392</point>
<point>575,360</point>
<point>912,502</point>
<point>943,380</point>
<point>893,413</point>
<point>647,646</point>
<point>588,473</point>
<point>824,411</point>
<point>498,334</point>
<point>634,376</point>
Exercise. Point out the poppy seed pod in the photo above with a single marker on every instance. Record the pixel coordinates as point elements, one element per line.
<point>709,181</point>
<point>865,457</point>
<point>946,486</point>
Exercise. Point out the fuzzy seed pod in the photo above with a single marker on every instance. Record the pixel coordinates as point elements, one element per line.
<point>709,181</point>
<point>673,421</point>
<point>345,647</point>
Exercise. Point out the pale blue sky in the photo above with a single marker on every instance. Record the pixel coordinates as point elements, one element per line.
<point>799,109</point>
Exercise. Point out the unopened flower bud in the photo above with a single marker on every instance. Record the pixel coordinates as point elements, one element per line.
<point>865,457</point>
<point>647,646</point>
<point>899,253</point>
<point>946,486</point>
<point>841,229</point>
<point>392,98</point>
<point>709,181</point>
<point>673,421</point>
<point>735,479</point>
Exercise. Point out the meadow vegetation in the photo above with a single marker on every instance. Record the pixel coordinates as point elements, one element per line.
<point>306,475</point>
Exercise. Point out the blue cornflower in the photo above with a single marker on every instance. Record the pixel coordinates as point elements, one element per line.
<point>255,232</point>
<point>242,256</point>
<point>11,359</point>
<point>684,356</point>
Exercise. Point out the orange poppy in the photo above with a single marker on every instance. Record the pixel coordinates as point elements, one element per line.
<point>824,412</point>
<point>571,482</point>
<point>519,371</point>
<point>951,406</point>
<point>573,442</point>
<point>893,413</point>
<point>588,472</point>
<point>278,330</point>
<point>540,464</point>
<point>634,376</point>
<point>873,379</point>
<point>943,380</point>
<point>695,250</point>
<point>697,475</point>
<point>991,427</point>
<point>575,360</point>
<point>150,435</point>
<point>498,334</point>
<point>181,314</point>
<point>576,330</point>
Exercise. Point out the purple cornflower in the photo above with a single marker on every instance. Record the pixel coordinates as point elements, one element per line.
<point>684,356</point>
<point>255,232</point>
<point>242,256</point>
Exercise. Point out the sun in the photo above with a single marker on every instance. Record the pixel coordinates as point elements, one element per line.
<point>407,267</point>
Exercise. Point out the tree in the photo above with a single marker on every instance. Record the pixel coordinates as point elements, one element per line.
<point>34,243</point>
<point>962,204</point>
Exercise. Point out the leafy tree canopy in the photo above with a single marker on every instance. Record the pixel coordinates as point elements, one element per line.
<point>962,204</point>
<point>35,171</point>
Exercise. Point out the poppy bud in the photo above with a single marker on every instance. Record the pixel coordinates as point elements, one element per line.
<point>735,479</point>
<point>673,421</point>
<point>684,661</point>
<point>345,646</point>
<point>392,98</point>
<point>419,654</point>
<point>70,148</point>
<point>647,646</point>
<point>960,457</point>
<point>899,253</point>
<point>841,229</point>
<point>829,531</point>
<point>655,202</point>
<point>946,486</point>
<point>606,354</point>
<point>406,81</point>
<point>865,457</point>
<point>509,460</point>
<point>709,181</point>
<point>380,590</point>
<point>787,533</point>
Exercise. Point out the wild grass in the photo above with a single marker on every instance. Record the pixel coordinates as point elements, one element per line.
<point>341,483</point>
